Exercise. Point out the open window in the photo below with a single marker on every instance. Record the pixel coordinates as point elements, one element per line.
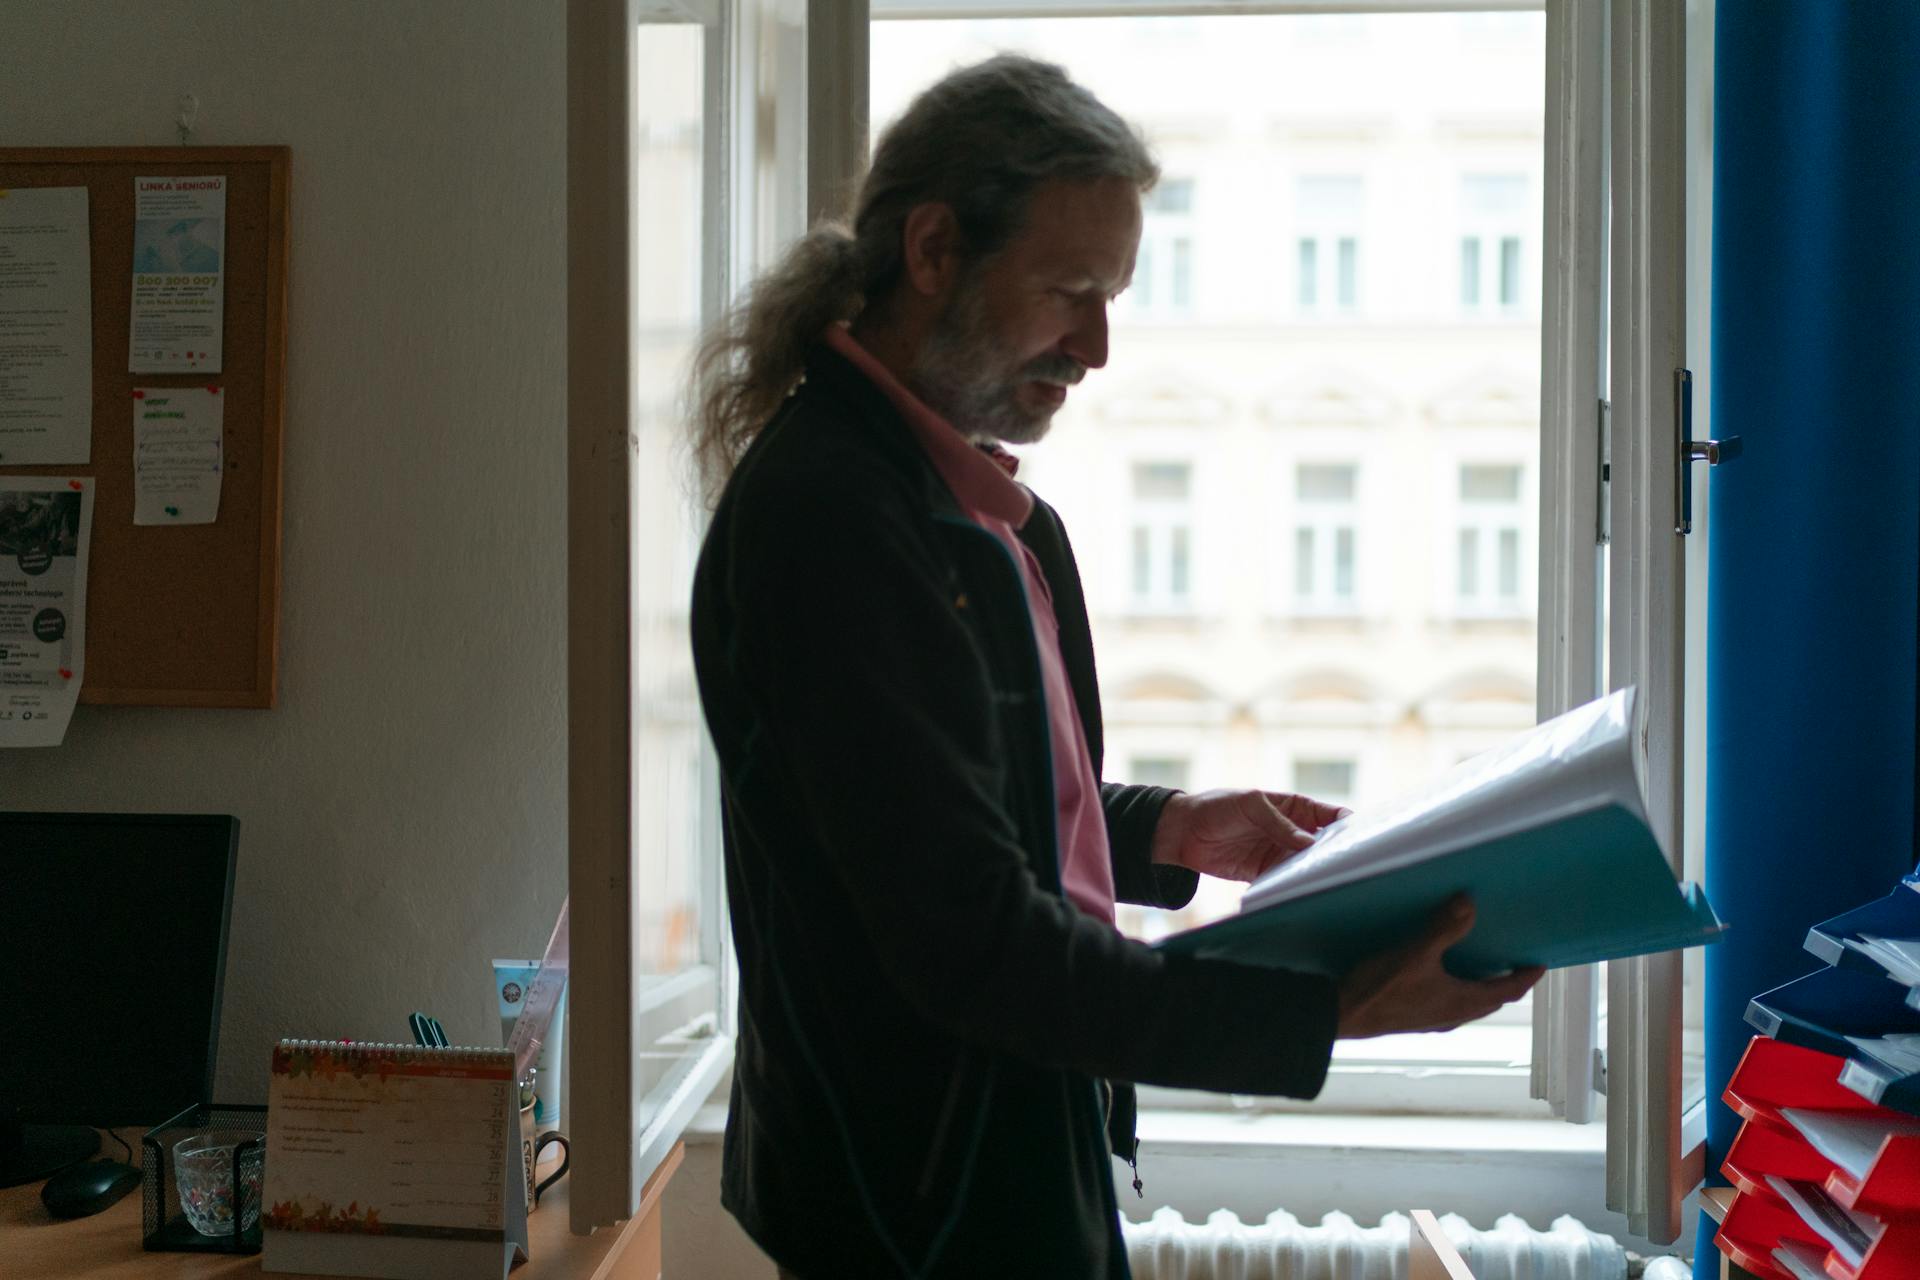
<point>1355,221</point>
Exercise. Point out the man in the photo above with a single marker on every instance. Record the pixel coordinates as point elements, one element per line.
<point>939,1024</point>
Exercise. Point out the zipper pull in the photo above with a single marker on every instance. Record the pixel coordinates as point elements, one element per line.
<point>1133,1162</point>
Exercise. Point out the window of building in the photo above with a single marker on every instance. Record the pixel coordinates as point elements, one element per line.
<point>1490,570</point>
<point>1492,242</point>
<point>1324,779</point>
<point>1163,272</point>
<point>1325,536</point>
<point>1162,537</point>
<point>1158,771</point>
<point>1327,215</point>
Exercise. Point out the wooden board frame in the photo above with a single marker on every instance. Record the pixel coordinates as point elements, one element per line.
<point>182,616</point>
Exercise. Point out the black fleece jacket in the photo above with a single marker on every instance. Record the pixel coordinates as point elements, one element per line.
<point>926,1024</point>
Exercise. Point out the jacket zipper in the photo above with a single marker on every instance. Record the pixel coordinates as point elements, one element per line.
<point>940,1134</point>
<point>1046,755</point>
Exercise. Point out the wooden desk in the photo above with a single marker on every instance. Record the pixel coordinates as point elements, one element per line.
<point>34,1246</point>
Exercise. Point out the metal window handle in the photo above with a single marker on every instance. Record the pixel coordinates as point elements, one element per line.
<point>1713,452</point>
<point>1687,449</point>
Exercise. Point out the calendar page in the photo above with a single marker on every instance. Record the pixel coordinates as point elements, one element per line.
<point>397,1143</point>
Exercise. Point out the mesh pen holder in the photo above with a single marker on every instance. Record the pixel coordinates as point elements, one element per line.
<point>165,1224</point>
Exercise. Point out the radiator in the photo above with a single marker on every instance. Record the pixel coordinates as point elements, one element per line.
<point>1168,1247</point>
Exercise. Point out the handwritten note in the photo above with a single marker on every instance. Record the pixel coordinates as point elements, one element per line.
<point>178,455</point>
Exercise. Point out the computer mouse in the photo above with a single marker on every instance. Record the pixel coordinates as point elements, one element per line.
<point>88,1187</point>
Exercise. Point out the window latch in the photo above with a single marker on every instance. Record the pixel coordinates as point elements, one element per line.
<point>1687,450</point>
<point>1603,514</point>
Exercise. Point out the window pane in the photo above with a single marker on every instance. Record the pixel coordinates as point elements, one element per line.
<point>1324,779</point>
<point>1378,391</point>
<point>1183,272</point>
<point>1501,195</point>
<point>1324,482</point>
<point>1509,564</point>
<point>1489,484</point>
<point>1329,198</point>
<point>1177,575</point>
<point>1158,771</point>
<point>1142,560</point>
<point>1170,195</point>
<point>671,816</point>
<point>1161,481</point>
<point>1510,271</point>
<point>1141,290</point>
<point>1343,563</point>
<point>1469,577</point>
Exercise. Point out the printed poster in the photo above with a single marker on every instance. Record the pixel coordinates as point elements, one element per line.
<point>179,276</point>
<point>46,327</point>
<point>45,524</point>
<point>177,455</point>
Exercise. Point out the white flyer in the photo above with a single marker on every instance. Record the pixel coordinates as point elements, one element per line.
<point>177,455</point>
<point>179,275</point>
<point>45,525</point>
<point>46,327</point>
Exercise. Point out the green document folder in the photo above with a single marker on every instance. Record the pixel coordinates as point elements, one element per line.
<point>1547,836</point>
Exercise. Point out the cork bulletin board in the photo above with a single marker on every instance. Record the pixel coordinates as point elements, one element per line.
<point>186,615</point>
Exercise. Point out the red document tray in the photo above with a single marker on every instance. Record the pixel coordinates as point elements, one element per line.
<point>1774,1075</point>
<point>1757,1221</point>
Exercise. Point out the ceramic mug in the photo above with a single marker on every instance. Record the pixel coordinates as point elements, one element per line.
<point>531,1145</point>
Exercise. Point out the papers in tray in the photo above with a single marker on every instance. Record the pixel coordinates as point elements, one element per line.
<point>1548,834</point>
<point>1900,1053</point>
<point>1850,1234</point>
<point>1851,1140</point>
<point>1802,1261</point>
<point>1900,957</point>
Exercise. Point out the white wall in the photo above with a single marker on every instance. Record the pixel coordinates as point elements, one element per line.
<point>403,809</point>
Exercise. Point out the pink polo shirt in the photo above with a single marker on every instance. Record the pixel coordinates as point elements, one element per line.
<point>993,500</point>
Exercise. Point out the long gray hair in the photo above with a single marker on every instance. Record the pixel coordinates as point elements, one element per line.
<point>979,141</point>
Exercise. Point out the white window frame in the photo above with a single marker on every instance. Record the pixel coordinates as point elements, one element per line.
<point>1616,98</point>
<point>1154,293</point>
<point>1488,521</point>
<point>1489,233</point>
<point>1329,235</point>
<point>1324,520</point>
<point>620,1134</point>
<point>1618,125</point>
<point>1166,523</point>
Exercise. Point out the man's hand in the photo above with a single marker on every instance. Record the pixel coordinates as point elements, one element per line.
<point>1237,835</point>
<point>1408,989</point>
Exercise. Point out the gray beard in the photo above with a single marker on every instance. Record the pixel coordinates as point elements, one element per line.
<point>964,374</point>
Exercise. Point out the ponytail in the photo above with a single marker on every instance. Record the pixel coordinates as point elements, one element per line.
<point>746,365</point>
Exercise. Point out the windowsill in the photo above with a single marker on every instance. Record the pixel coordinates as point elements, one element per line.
<point>1302,1135</point>
<point>1318,1162</point>
<point>1170,618</point>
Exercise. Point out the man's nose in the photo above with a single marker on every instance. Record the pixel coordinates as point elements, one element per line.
<point>1087,342</point>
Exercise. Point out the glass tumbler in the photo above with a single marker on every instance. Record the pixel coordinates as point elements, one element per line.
<point>203,1173</point>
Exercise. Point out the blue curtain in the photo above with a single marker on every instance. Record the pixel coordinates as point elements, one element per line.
<point>1815,549</point>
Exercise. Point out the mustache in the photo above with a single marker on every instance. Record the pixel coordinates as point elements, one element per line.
<point>1054,368</point>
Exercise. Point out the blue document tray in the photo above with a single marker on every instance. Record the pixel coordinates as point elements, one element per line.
<point>1822,1009</point>
<point>1591,886</point>
<point>1895,916</point>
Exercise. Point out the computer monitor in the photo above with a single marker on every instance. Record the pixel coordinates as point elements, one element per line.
<point>113,947</point>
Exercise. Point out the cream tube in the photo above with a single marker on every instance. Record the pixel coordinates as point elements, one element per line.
<point>511,978</point>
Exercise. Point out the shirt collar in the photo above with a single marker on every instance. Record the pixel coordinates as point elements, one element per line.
<point>977,480</point>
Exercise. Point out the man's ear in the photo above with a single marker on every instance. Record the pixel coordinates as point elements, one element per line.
<point>931,246</point>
